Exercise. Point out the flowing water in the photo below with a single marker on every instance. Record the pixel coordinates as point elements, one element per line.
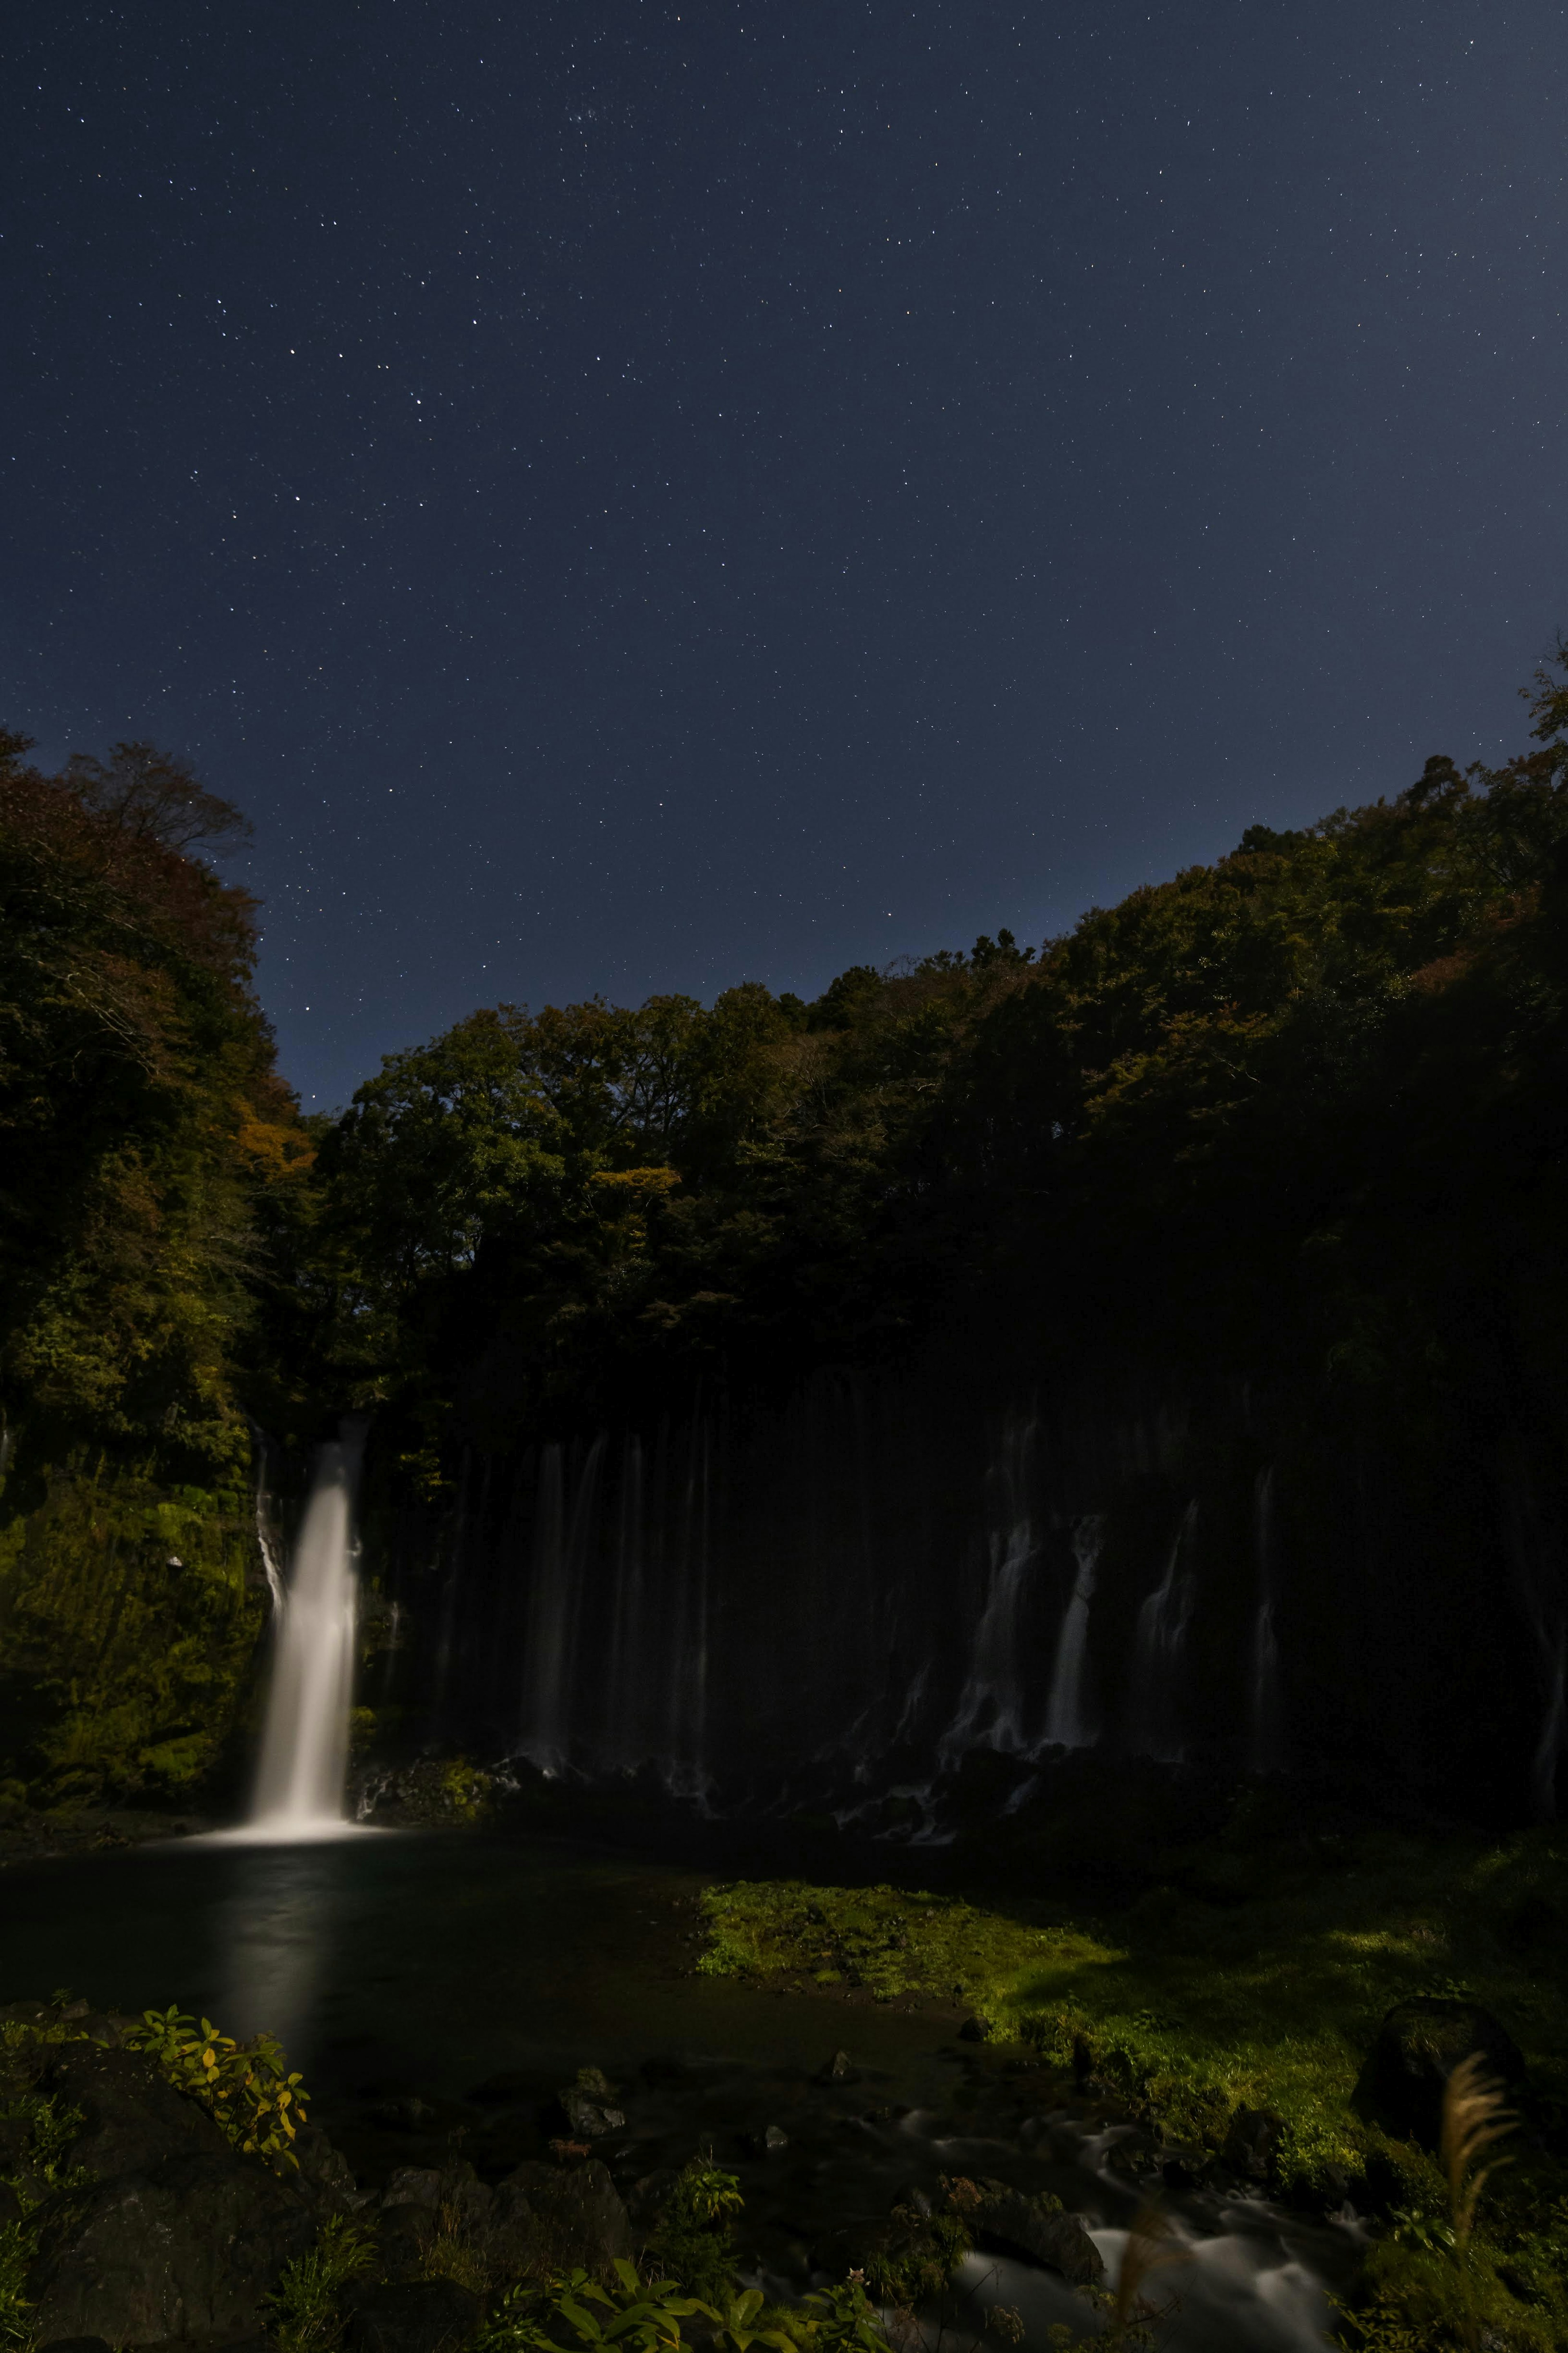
<point>1154,1721</point>
<point>435,1991</point>
<point>300,1777</point>
<point>1071,1718</point>
<point>991,1705</point>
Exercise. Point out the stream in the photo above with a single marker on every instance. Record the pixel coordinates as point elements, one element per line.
<point>436,1990</point>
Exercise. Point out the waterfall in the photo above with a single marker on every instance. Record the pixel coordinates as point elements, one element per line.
<point>1070,1721</point>
<point>265,1536</point>
<point>560,1552</point>
<point>1154,1709</point>
<point>305,1739</point>
<point>1266,1745</point>
<point>990,1712</point>
<point>627,1663</point>
<point>685,1715</point>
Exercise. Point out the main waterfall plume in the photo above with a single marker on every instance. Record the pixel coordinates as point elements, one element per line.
<point>301,1778</point>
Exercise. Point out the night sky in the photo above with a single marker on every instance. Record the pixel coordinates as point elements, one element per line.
<point>634,497</point>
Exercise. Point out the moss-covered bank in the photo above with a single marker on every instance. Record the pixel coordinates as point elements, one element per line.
<point>130,1614</point>
<point>1205,1999</point>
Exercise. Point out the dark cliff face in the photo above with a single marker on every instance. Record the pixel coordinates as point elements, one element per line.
<point>838,1599</point>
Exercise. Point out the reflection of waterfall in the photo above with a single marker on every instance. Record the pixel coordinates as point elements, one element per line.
<point>1070,1719</point>
<point>990,1712</point>
<point>1154,1701</point>
<point>273,1943</point>
<point>305,1739</point>
<point>1266,1722</point>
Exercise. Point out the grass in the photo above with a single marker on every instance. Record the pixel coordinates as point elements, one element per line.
<point>1255,1976</point>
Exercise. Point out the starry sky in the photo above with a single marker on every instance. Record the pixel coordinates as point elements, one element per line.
<point>638,497</point>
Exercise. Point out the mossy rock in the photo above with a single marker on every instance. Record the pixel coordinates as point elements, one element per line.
<point>1418,2046</point>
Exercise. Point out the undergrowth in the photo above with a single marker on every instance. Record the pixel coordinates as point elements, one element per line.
<point>305,2310</point>
<point>1201,1998</point>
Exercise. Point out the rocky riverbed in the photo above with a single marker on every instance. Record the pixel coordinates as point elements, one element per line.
<point>148,2227</point>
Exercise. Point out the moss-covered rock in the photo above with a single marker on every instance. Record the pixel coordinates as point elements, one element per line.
<point>130,1611</point>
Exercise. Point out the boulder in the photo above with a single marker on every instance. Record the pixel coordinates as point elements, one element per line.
<point>322,2172</point>
<point>588,2118</point>
<point>414,2185</point>
<point>455,2189</point>
<point>839,2069</point>
<point>187,2248</point>
<point>1038,2227</point>
<point>411,2315</point>
<point>132,2119</point>
<point>1252,2143</point>
<point>1418,2046</point>
<point>403,2235</point>
<point>554,2217</point>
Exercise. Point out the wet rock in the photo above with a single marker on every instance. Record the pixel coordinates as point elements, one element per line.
<point>1252,2143</point>
<point>588,2105</point>
<point>411,2316</point>
<point>403,2236</point>
<point>1038,2227</point>
<point>1418,2046</point>
<point>323,2171</point>
<point>1130,2159</point>
<point>839,2069</point>
<point>774,2138</point>
<point>974,2030</point>
<point>587,2118</point>
<point>131,2119</point>
<point>554,2216</point>
<point>414,2185</point>
<point>188,2248</point>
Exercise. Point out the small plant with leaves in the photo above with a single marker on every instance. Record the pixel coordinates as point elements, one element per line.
<point>16,2311</point>
<point>695,2238</point>
<point>246,2087</point>
<point>52,2126</point>
<point>305,2308</point>
<point>746,2322</point>
<point>580,2313</point>
<point>454,2254</point>
<point>845,2319</point>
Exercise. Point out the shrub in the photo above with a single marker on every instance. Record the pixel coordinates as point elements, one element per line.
<point>246,2087</point>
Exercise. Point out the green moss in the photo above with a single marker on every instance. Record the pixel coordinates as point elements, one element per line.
<point>1188,2008</point>
<point>129,1622</point>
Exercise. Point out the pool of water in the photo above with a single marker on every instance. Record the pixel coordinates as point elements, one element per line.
<point>436,1990</point>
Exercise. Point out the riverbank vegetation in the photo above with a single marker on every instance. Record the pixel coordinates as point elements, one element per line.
<point>1237,2020</point>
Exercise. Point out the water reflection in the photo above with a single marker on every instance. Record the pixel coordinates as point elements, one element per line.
<point>275,1937</point>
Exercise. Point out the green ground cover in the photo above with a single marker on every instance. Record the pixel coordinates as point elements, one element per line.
<point>1242,1980</point>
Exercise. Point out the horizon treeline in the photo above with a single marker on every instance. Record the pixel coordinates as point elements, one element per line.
<point>1295,1068</point>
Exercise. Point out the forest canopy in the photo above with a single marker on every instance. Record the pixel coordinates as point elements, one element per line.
<point>1297,1111</point>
